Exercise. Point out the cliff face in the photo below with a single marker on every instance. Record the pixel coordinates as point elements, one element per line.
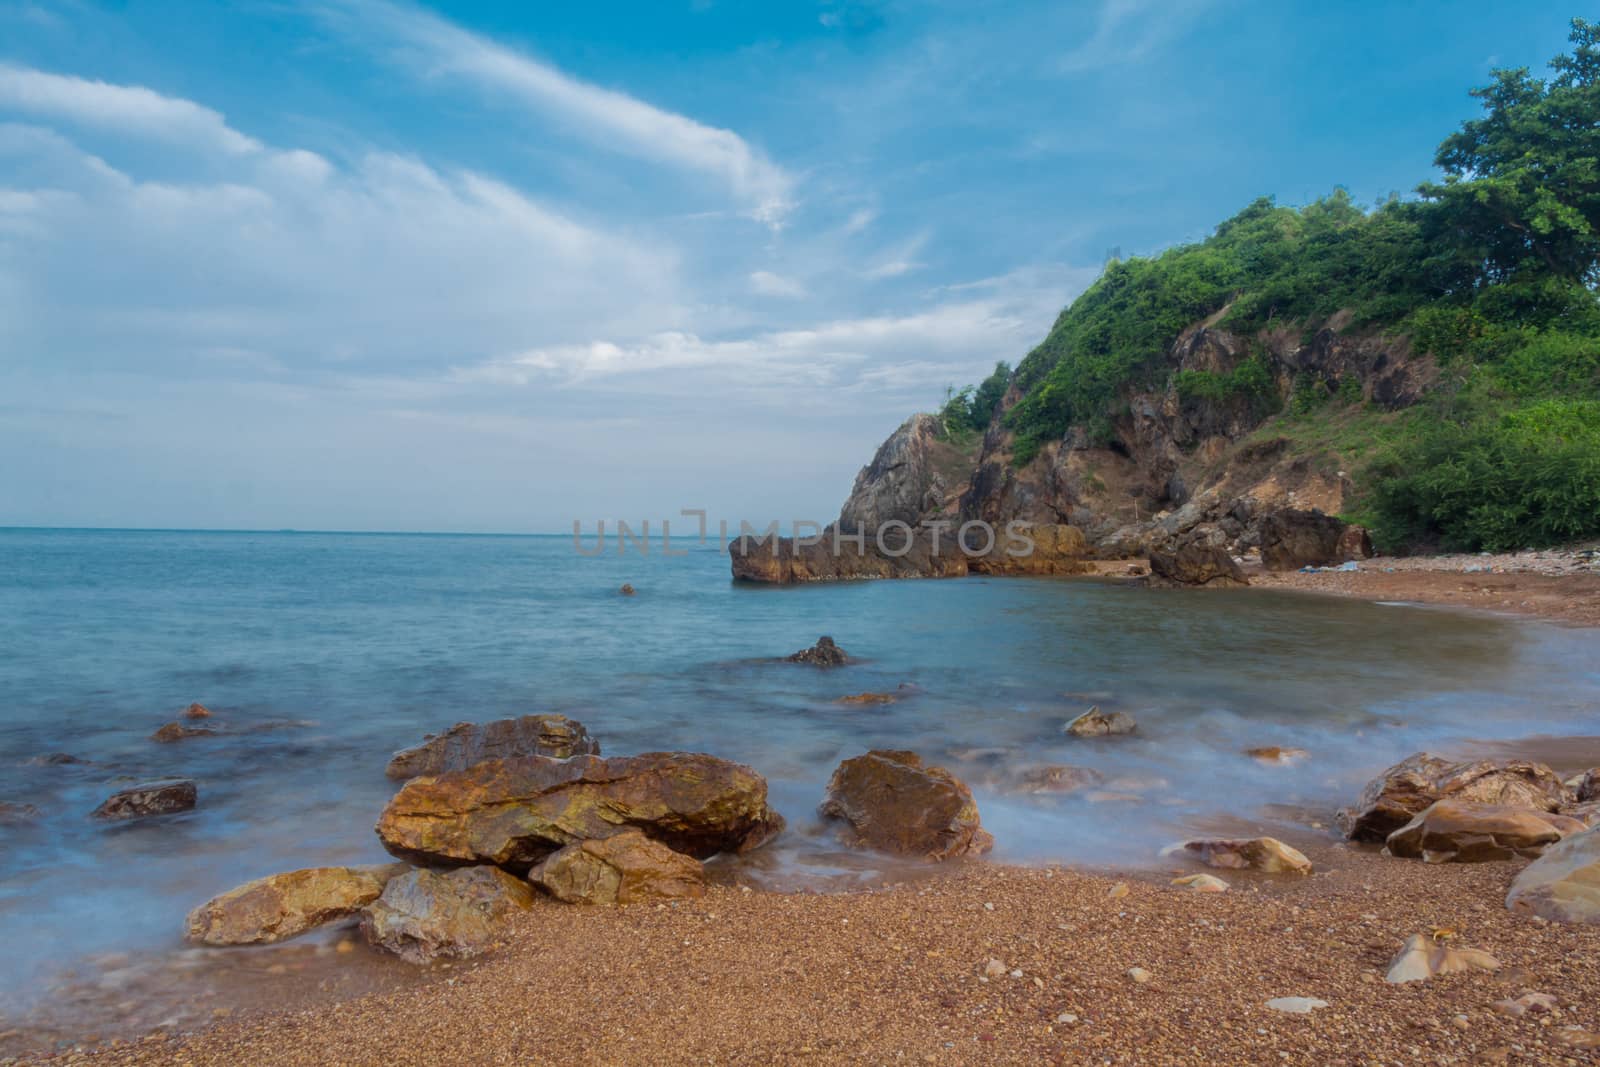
<point>1181,465</point>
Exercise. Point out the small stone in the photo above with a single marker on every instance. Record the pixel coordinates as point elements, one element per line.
<point>1296,1005</point>
<point>1461,1022</point>
<point>1421,958</point>
<point>1139,975</point>
<point>1202,883</point>
<point>993,969</point>
<point>1016,974</point>
<point>626,590</point>
<point>1118,891</point>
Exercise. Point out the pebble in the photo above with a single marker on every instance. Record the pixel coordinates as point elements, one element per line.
<point>1139,975</point>
<point>994,969</point>
<point>1296,1005</point>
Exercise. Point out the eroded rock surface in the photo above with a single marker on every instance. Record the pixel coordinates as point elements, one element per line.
<point>893,802</point>
<point>1400,793</point>
<point>285,905</point>
<point>514,812</point>
<point>626,868</point>
<point>425,915</point>
<point>1563,885</point>
<point>1266,854</point>
<point>163,797</point>
<point>1197,565</point>
<point>467,743</point>
<point>1457,831</point>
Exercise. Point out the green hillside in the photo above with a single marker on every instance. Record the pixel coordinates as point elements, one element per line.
<point>1490,271</point>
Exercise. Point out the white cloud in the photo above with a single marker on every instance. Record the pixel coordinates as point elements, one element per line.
<point>767,283</point>
<point>902,260</point>
<point>608,118</point>
<point>1127,31</point>
<point>126,109</point>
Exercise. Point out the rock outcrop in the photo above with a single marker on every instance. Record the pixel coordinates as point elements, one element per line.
<point>1292,538</point>
<point>1096,723</point>
<point>197,711</point>
<point>176,731</point>
<point>1563,885</point>
<point>785,561</point>
<point>626,868</point>
<point>281,906</point>
<point>164,797</point>
<point>916,472</point>
<point>1196,565</point>
<point>825,653</point>
<point>467,743</point>
<point>1402,792</point>
<point>1266,854</point>
<point>424,915</point>
<point>1457,831</point>
<point>515,812</point>
<point>893,802</point>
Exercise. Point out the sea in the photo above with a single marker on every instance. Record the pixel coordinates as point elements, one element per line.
<point>320,654</point>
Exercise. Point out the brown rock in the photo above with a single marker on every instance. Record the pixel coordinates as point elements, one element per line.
<point>1563,885</point>
<point>1589,786</point>
<point>1059,778</point>
<point>1355,543</point>
<point>176,731</point>
<point>1274,754</point>
<point>1196,565</point>
<point>13,813</point>
<point>197,711</point>
<point>1292,538</point>
<point>1403,791</point>
<point>1456,831</point>
<point>149,798</point>
<point>1096,723</point>
<point>467,743</point>
<point>626,590</point>
<point>1258,853</point>
<point>424,915</point>
<point>868,698</point>
<point>1421,958</point>
<point>514,812</point>
<point>1031,548</point>
<point>625,868</point>
<point>837,557</point>
<point>285,905</point>
<point>894,803</point>
<point>822,654</point>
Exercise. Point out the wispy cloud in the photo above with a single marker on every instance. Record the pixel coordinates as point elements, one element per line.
<point>766,283</point>
<point>119,108</point>
<point>607,117</point>
<point>1127,31</point>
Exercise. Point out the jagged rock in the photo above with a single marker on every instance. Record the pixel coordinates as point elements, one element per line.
<point>913,474</point>
<point>622,869</point>
<point>467,743</point>
<point>1258,853</point>
<point>149,798</point>
<point>1589,786</point>
<point>894,803</point>
<point>514,812</point>
<point>197,711</point>
<point>14,813</point>
<point>1455,831</point>
<point>1202,883</point>
<point>784,561</point>
<point>1563,885</point>
<point>1403,791</point>
<point>1274,754</point>
<point>176,731</point>
<point>1421,958</point>
<point>282,906</point>
<point>1196,565</point>
<point>1059,778</point>
<point>1096,723</point>
<point>1291,539</point>
<point>822,654</point>
<point>424,915</point>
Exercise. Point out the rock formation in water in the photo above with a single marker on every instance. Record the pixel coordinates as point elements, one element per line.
<point>893,802</point>
<point>164,797</point>
<point>282,906</point>
<point>467,743</point>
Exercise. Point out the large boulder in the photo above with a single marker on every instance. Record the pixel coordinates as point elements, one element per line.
<point>1458,831</point>
<point>1402,792</point>
<point>1096,723</point>
<point>285,905</point>
<point>1257,853</point>
<point>467,743</point>
<point>515,812</point>
<point>625,868</point>
<point>825,653</point>
<point>894,803</point>
<point>163,797</point>
<point>1291,539</point>
<point>1563,885</point>
<point>423,915</point>
<point>1196,565</point>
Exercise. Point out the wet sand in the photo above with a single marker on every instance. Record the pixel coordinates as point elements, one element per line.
<point>898,976</point>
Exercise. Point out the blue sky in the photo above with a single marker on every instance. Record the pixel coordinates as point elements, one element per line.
<point>354,264</point>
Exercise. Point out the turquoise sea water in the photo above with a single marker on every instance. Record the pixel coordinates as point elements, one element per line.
<point>323,653</point>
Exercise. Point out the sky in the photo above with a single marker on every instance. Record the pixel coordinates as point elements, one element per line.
<point>368,265</point>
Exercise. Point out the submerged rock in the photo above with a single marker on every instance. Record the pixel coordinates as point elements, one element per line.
<point>1563,885</point>
<point>197,711</point>
<point>282,906</point>
<point>822,654</point>
<point>1059,778</point>
<point>1257,853</point>
<point>176,731</point>
<point>149,798</point>
<point>15,813</point>
<point>626,590</point>
<point>1196,565</point>
<point>1403,791</point>
<point>424,915</point>
<point>1096,723</point>
<point>1274,754</point>
<point>868,698</point>
<point>467,743</point>
<point>514,812</point>
<point>894,803</point>
<point>1456,831</point>
<point>1421,958</point>
<point>625,868</point>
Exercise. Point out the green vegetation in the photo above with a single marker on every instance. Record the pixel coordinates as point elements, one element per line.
<point>1492,271</point>
<point>968,411</point>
